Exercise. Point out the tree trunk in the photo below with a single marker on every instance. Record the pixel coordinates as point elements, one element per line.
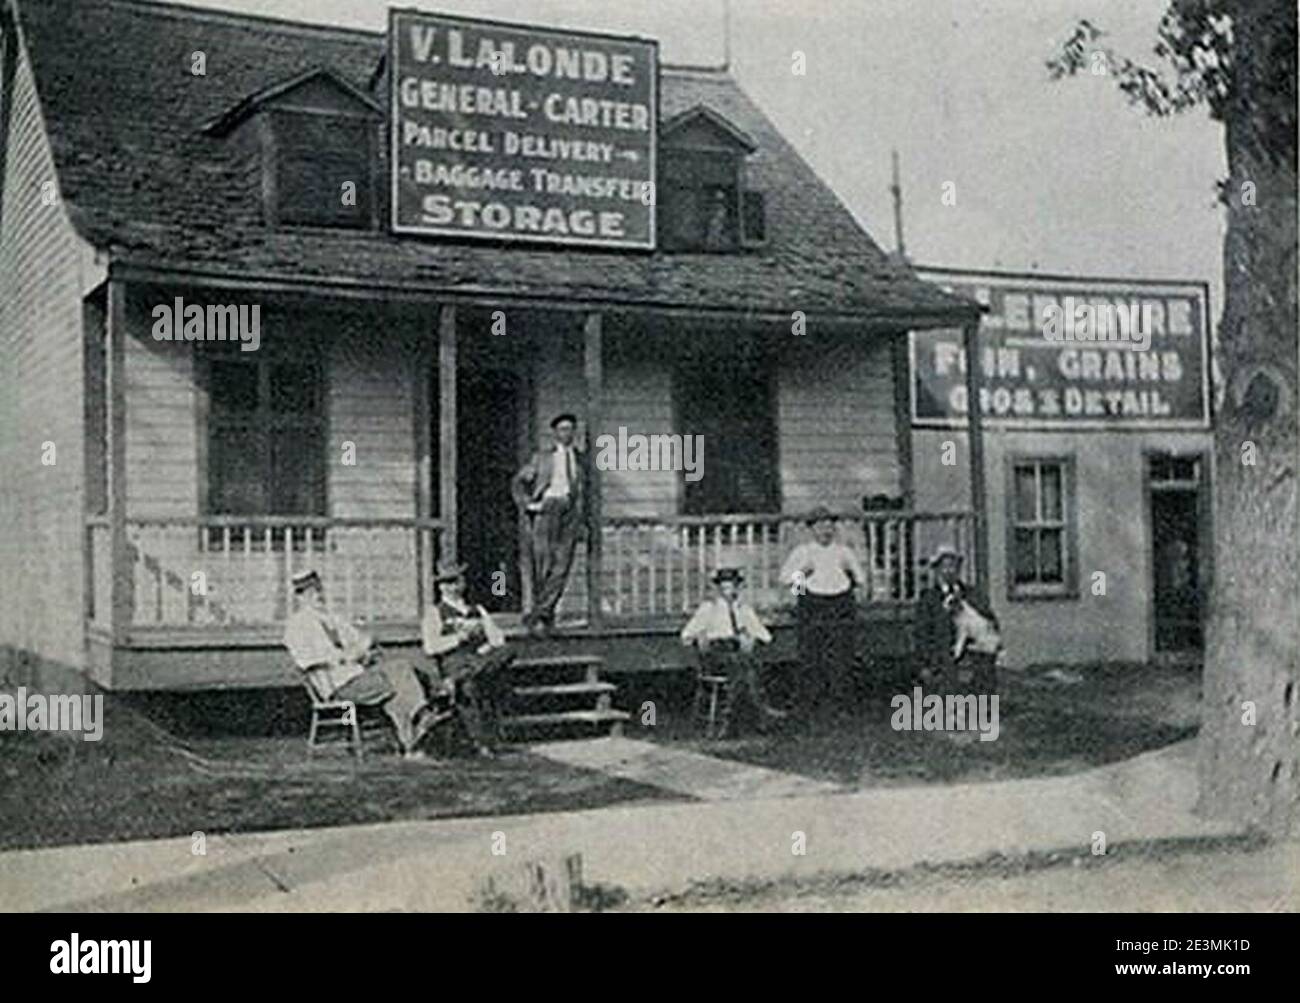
<point>1250,772</point>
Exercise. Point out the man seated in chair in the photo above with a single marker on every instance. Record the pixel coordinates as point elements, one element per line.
<point>726,631</point>
<point>469,654</point>
<point>341,664</point>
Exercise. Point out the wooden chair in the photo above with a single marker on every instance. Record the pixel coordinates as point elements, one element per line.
<point>713,701</point>
<point>337,715</point>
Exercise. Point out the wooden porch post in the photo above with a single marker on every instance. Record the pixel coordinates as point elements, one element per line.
<point>447,429</point>
<point>123,581</point>
<point>593,368</point>
<point>975,430</point>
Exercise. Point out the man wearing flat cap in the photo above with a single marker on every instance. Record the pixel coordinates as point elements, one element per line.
<point>934,631</point>
<point>470,654</point>
<point>341,663</point>
<point>823,574</point>
<point>551,489</point>
<point>726,631</point>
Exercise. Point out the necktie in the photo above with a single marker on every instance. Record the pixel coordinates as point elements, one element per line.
<point>731,612</point>
<point>330,632</point>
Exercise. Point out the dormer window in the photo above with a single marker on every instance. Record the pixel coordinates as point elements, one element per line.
<point>702,203</point>
<point>317,136</point>
<point>323,170</point>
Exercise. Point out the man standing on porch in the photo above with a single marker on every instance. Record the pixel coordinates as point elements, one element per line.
<point>823,573</point>
<point>552,489</point>
<point>335,655</point>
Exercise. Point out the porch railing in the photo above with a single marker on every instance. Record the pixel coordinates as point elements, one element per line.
<point>660,565</point>
<point>234,570</point>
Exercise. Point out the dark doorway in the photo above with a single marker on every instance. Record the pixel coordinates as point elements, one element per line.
<point>490,406</point>
<point>1178,581</point>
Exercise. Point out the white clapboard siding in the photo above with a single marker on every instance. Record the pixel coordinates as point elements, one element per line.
<point>836,423</point>
<point>41,384</point>
<point>370,403</point>
<point>162,475</point>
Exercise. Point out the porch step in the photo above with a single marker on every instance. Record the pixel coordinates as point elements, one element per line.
<point>564,689</point>
<point>561,693</point>
<point>609,716</point>
<point>558,661</point>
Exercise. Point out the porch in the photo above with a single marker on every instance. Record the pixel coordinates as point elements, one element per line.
<point>203,600</point>
<point>390,426</point>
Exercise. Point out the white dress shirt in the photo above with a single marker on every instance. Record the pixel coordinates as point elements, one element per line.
<point>831,565</point>
<point>563,462</point>
<point>713,622</point>
<point>307,636</point>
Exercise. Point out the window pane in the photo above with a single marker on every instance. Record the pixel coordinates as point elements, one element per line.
<point>1024,557</point>
<point>235,482</point>
<point>1051,557</point>
<point>1026,492</point>
<point>232,387</point>
<point>297,473</point>
<point>294,389</point>
<point>719,210</point>
<point>1051,488</point>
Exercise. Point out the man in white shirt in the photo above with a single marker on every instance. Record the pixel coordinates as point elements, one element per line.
<point>824,573</point>
<point>470,653</point>
<point>337,657</point>
<point>551,488</point>
<point>726,631</point>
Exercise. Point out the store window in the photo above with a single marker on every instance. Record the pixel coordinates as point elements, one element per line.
<point>1041,559</point>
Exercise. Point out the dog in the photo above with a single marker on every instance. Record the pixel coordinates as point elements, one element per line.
<point>974,631</point>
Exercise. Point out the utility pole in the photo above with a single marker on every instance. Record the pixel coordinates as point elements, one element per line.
<point>896,189</point>
<point>726,35</point>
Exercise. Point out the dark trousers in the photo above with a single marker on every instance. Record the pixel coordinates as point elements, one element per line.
<point>555,531</point>
<point>479,682</point>
<point>827,628</point>
<point>394,684</point>
<point>744,672</point>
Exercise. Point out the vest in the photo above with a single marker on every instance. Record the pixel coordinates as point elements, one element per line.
<point>450,615</point>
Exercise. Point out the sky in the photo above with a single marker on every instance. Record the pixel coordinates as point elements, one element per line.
<point>1049,177</point>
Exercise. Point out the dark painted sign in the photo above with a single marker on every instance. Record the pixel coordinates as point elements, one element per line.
<point>1070,353</point>
<point>515,133</point>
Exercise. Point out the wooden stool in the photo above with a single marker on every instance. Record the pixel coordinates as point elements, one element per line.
<point>713,700</point>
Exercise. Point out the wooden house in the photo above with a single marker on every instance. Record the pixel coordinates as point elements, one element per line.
<point>399,381</point>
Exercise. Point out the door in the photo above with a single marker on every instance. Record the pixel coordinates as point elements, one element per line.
<point>490,406</point>
<point>1177,534</point>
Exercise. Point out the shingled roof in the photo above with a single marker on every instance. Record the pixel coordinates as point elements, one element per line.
<point>143,180</point>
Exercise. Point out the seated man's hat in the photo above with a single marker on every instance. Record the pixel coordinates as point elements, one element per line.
<point>728,575</point>
<point>449,571</point>
<point>304,580</point>
<point>566,416</point>
<point>942,551</point>
<point>818,514</point>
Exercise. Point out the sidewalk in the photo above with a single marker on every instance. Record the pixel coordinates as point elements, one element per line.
<point>438,865</point>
